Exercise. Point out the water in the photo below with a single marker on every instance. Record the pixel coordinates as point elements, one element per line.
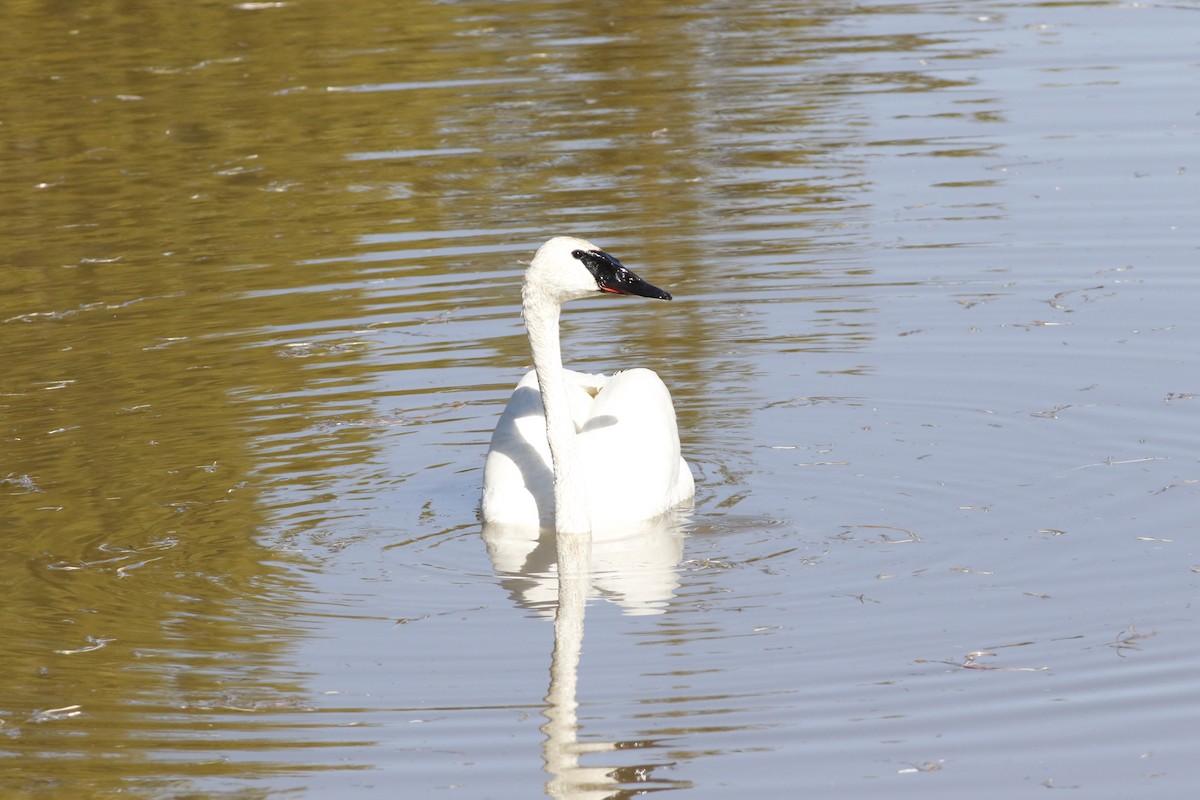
<point>933,355</point>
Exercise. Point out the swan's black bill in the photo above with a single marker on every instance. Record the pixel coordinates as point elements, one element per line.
<point>615,278</point>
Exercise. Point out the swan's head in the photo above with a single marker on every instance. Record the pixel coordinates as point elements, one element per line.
<point>566,268</point>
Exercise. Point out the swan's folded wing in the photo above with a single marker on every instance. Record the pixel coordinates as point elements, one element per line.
<point>630,446</point>
<point>518,479</point>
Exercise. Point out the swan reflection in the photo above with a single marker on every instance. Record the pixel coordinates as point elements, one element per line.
<point>635,567</point>
<point>557,574</point>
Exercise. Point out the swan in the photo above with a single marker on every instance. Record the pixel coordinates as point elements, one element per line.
<point>578,452</point>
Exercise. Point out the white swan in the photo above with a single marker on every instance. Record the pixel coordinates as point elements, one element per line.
<point>581,452</point>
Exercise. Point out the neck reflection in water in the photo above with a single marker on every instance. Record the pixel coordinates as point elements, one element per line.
<point>557,573</point>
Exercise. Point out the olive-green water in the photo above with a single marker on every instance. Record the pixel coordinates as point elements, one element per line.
<point>934,352</point>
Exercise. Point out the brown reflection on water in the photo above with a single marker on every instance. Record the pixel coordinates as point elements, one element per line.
<point>154,178</point>
<point>217,221</point>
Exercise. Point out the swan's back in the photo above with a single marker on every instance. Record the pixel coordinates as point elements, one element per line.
<point>627,446</point>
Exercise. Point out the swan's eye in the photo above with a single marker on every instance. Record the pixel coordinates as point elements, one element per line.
<point>577,254</point>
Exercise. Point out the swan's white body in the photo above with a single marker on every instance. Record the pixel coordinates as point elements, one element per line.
<point>626,446</point>
<point>582,453</point>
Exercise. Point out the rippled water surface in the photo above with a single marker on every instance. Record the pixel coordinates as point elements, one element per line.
<point>934,352</point>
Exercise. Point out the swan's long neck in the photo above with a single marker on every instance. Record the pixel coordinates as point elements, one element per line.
<point>571,513</point>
